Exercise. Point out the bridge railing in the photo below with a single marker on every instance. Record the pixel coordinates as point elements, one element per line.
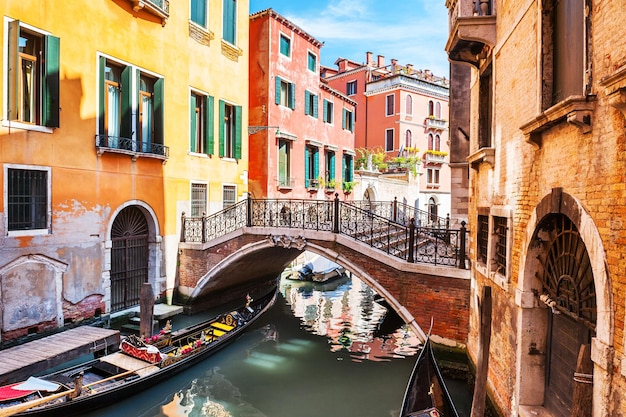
<point>402,213</point>
<point>410,241</point>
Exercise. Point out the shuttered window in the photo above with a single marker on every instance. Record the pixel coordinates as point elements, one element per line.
<point>201,124</point>
<point>199,12</point>
<point>230,130</point>
<point>230,21</point>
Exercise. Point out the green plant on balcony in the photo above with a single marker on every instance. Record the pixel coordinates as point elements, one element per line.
<point>436,153</point>
<point>348,186</point>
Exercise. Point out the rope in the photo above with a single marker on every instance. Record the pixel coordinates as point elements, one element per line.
<point>583,378</point>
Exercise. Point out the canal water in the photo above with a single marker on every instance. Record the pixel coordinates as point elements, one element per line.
<point>321,351</point>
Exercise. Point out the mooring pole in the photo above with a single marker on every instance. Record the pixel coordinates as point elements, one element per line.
<point>482,367</point>
<point>146,310</point>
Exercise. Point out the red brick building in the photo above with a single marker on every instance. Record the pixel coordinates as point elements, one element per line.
<point>301,130</point>
<point>546,199</point>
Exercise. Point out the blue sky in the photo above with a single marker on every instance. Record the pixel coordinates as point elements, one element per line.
<point>411,31</point>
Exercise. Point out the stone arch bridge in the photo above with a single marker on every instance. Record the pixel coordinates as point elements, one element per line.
<point>417,265</point>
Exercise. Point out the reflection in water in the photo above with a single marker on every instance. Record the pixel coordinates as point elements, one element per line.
<point>345,312</point>
<point>319,351</point>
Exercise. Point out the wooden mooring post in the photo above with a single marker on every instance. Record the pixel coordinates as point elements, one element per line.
<point>146,310</point>
<point>583,384</point>
<point>482,367</point>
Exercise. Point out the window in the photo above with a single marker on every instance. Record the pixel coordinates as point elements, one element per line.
<point>432,176</point>
<point>500,235</point>
<point>483,238</point>
<point>347,120</point>
<point>431,142</point>
<point>28,202</point>
<point>347,166</point>
<point>564,49</point>
<point>390,105</point>
<point>284,164</point>
<point>285,45</point>
<point>230,21</point>
<point>431,108</point>
<point>351,88</point>
<point>310,104</point>
<point>485,108</point>
<point>408,139</point>
<point>389,140</point>
<point>120,126</point>
<point>330,168</point>
<point>433,210</point>
<point>312,62</point>
<point>328,111</point>
<point>311,166</point>
<point>229,195</point>
<point>437,143</point>
<point>438,110</point>
<point>33,82</point>
<point>230,130</point>
<point>201,124</point>
<point>409,105</point>
<point>199,197</point>
<point>285,93</point>
<point>198,12</point>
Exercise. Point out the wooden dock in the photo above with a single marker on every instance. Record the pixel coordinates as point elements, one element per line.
<point>20,362</point>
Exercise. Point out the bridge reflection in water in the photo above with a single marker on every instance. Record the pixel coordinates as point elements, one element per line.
<point>318,352</point>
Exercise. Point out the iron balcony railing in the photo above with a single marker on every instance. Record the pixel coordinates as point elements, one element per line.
<point>390,227</point>
<point>118,144</point>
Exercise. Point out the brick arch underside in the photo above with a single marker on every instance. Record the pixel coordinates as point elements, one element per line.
<point>417,297</point>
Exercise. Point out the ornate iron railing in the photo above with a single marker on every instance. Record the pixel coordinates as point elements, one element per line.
<point>118,144</point>
<point>381,226</point>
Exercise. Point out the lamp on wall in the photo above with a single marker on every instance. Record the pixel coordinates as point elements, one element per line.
<point>256,129</point>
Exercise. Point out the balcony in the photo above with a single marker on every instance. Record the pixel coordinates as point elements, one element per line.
<point>436,124</point>
<point>473,32</point>
<point>435,157</point>
<point>159,8</point>
<point>133,148</point>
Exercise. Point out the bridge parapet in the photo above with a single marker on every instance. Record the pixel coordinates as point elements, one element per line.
<point>383,226</point>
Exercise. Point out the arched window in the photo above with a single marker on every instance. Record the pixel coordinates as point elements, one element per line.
<point>438,110</point>
<point>432,209</point>
<point>437,143</point>
<point>409,105</point>
<point>408,139</point>
<point>431,108</point>
<point>430,141</point>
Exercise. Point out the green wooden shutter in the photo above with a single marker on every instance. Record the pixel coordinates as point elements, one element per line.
<point>292,96</point>
<point>278,80</point>
<point>343,119</point>
<point>209,135</point>
<point>307,157</point>
<point>325,111</point>
<point>315,105</point>
<point>238,142</point>
<point>159,125</point>
<point>331,168</point>
<point>316,163</point>
<point>221,125</point>
<point>103,92</point>
<point>307,106</point>
<point>351,121</point>
<point>126,130</point>
<point>350,168</point>
<point>343,169</point>
<point>193,126</point>
<point>51,85</point>
<point>14,72</point>
<point>229,21</point>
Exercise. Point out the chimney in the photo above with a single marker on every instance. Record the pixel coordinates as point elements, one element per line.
<point>368,58</point>
<point>342,65</point>
<point>381,61</point>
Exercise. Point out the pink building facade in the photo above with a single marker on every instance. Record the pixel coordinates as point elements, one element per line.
<point>301,133</point>
<point>402,112</point>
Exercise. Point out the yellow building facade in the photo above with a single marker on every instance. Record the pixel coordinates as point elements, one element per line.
<point>117,117</point>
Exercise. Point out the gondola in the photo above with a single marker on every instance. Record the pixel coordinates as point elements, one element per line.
<point>138,365</point>
<point>426,393</point>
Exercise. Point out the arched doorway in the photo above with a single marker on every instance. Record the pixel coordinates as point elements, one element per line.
<point>432,210</point>
<point>129,257</point>
<point>568,287</point>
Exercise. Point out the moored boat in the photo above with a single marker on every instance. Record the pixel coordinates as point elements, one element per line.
<point>138,365</point>
<point>320,269</point>
<point>426,393</point>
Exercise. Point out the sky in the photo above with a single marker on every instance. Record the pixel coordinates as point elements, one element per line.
<point>411,31</point>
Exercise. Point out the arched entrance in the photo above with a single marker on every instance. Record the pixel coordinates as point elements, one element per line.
<point>129,257</point>
<point>433,210</point>
<point>568,287</point>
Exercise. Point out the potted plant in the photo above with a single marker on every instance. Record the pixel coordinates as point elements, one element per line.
<point>348,186</point>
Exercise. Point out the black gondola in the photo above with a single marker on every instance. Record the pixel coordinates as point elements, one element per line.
<point>426,393</point>
<point>137,366</point>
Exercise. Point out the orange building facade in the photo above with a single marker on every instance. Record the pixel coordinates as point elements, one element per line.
<point>99,150</point>
<point>301,130</point>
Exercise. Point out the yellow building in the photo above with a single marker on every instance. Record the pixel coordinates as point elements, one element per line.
<point>117,117</point>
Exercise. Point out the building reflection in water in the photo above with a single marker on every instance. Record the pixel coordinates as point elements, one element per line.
<point>345,311</point>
